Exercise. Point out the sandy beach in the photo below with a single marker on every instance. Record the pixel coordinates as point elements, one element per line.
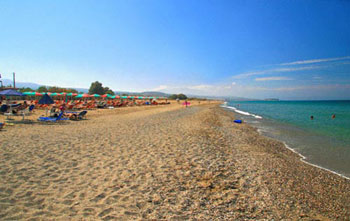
<point>159,162</point>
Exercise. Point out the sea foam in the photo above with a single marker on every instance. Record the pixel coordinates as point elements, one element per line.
<point>242,112</point>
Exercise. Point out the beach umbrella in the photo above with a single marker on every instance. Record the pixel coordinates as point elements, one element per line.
<point>29,93</point>
<point>46,99</point>
<point>48,93</point>
<point>55,94</point>
<point>95,95</point>
<point>37,94</point>
<point>32,94</point>
<point>124,97</point>
<point>63,93</point>
<point>106,95</point>
<point>10,92</point>
<point>114,97</point>
<point>139,97</point>
<point>72,94</point>
<point>83,95</point>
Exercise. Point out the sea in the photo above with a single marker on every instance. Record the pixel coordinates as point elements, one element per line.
<point>323,141</point>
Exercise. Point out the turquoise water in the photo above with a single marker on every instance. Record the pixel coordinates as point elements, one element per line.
<point>323,141</point>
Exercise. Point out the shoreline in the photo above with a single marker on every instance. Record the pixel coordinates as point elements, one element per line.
<point>301,156</point>
<point>303,159</point>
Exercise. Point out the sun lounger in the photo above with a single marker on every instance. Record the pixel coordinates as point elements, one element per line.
<point>82,115</point>
<point>29,110</point>
<point>76,115</point>
<point>1,125</point>
<point>52,119</point>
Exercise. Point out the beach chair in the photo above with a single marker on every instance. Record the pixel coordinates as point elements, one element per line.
<point>1,125</point>
<point>29,110</point>
<point>76,115</point>
<point>53,119</point>
<point>81,115</point>
<point>9,113</point>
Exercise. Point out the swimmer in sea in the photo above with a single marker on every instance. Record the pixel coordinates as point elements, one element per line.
<point>333,116</point>
<point>311,117</point>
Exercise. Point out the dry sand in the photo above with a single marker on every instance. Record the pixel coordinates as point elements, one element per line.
<point>163,162</point>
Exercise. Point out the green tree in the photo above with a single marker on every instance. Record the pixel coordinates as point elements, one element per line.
<point>96,88</point>
<point>55,89</point>
<point>182,96</point>
<point>178,96</point>
<point>42,89</point>
<point>173,96</point>
<point>25,89</point>
<point>71,90</point>
<point>108,91</point>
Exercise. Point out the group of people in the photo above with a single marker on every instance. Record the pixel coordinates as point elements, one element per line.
<point>55,111</point>
<point>14,107</point>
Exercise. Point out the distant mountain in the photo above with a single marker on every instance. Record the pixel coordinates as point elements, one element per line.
<point>145,93</point>
<point>241,99</point>
<point>155,94</point>
<point>226,98</point>
<point>7,82</point>
<point>81,90</point>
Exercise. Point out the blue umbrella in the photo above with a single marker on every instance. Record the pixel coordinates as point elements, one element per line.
<point>46,99</point>
<point>11,92</point>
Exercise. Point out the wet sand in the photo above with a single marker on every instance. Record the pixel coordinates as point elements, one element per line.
<point>163,162</point>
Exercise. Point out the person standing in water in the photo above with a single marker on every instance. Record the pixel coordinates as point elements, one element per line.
<point>333,116</point>
<point>311,117</point>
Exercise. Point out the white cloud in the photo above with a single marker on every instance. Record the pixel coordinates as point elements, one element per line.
<point>200,87</point>
<point>160,87</point>
<point>275,70</point>
<point>234,83</point>
<point>273,79</point>
<point>307,87</point>
<point>312,61</point>
<point>308,66</point>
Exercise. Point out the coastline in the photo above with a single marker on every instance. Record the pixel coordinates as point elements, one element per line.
<point>303,171</point>
<point>302,157</point>
<point>166,162</point>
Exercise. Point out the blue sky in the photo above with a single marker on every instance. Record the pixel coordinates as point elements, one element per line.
<point>258,49</point>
